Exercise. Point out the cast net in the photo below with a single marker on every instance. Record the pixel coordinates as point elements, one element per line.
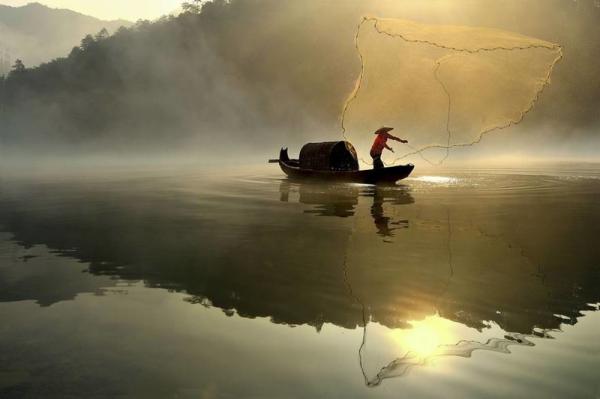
<point>442,86</point>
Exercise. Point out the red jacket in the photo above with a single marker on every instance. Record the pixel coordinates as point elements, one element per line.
<point>380,143</point>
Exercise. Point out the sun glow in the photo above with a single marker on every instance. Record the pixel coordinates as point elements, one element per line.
<point>425,336</point>
<point>131,10</point>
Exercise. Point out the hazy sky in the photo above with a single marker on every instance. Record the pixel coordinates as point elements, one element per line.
<point>110,9</point>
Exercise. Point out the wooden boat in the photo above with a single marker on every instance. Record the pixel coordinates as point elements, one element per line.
<point>336,161</point>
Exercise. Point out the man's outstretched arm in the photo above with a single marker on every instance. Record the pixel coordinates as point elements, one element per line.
<point>398,139</point>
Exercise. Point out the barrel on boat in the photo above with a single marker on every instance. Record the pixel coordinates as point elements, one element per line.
<point>331,155</point>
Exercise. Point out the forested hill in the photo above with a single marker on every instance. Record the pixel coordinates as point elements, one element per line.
<point>256,74</point>
<point>35,33</point>
<point>222,77</point>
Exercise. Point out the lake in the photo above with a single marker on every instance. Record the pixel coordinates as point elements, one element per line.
<point>179,283</point>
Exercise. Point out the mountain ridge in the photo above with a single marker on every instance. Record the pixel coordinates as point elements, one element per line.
<point>34,5</point>
<point>36,33</point>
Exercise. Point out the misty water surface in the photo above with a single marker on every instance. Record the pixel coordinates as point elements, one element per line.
<point>246,284</point>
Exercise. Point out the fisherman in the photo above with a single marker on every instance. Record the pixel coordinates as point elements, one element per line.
<point>380,143</point>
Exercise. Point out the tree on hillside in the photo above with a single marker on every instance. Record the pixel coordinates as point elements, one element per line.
<point>19,67</point>
<point>194,7</point>
<point>102,35</point>
<point>87,42</point>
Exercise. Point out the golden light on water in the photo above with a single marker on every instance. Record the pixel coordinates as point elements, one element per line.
<point>425,336</point>
<point>436,179</point>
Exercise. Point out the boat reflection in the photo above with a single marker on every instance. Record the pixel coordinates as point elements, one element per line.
<point>325,200</point>
<point>341,200</point>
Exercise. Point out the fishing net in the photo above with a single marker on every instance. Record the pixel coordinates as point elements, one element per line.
<point>441,86</point>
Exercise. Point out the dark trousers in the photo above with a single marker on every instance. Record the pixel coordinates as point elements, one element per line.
<point>377,162</point>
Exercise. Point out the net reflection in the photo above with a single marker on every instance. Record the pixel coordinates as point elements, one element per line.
<point>401,366</point>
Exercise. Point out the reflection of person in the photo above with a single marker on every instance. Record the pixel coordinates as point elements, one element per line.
<point>382,222</point>
<point>380,144</point>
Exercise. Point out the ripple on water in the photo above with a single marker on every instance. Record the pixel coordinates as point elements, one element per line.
<point>443,180</point>
<point>492,184</point>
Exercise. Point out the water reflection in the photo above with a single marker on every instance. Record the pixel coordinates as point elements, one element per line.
<point>326,200</point>
<point>383,222</point>
<point>341,200</point>
<point>478,259</point>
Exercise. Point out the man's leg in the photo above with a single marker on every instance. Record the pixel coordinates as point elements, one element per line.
<point>377,163</point>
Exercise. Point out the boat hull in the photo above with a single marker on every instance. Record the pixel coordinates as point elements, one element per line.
<point>388,175</point>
